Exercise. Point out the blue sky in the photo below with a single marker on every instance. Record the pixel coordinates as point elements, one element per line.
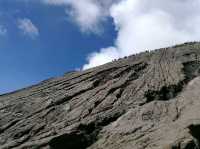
<point>40,39</point>
<point>59,47</point>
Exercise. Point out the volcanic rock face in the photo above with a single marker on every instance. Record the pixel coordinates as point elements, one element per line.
<point>145,101</point>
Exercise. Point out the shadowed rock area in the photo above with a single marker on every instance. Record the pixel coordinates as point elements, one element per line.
<point>145,101</point>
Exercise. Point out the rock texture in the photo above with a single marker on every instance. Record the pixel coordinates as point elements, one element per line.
<point>145,101</point>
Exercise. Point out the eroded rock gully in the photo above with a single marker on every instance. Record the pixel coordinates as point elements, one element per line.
<point>145,101</point>
<point>190,70</point>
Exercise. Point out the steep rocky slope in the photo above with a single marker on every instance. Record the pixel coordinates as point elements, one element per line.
<point>145,101</point>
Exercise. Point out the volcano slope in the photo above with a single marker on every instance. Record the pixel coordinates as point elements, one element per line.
<point>145,101</point>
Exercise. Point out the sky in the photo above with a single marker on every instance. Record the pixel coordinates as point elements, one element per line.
<point>40,39</point>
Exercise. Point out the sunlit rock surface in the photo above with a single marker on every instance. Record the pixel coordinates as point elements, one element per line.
<point>145,101</point>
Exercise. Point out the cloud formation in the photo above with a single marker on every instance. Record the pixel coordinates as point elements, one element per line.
<point>98,58</point>
<point>150,24</point>
<point>3,30</point>
<point>141,24</point>
<point>27,27</point>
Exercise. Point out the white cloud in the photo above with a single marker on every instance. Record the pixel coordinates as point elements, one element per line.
<point>28,28</point>
<point>153,24</point>
<point>3,30</point>
<point>105,55</point>
<point>150,24</point>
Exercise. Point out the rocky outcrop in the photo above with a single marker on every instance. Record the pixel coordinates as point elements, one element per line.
<point>145,101</point>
